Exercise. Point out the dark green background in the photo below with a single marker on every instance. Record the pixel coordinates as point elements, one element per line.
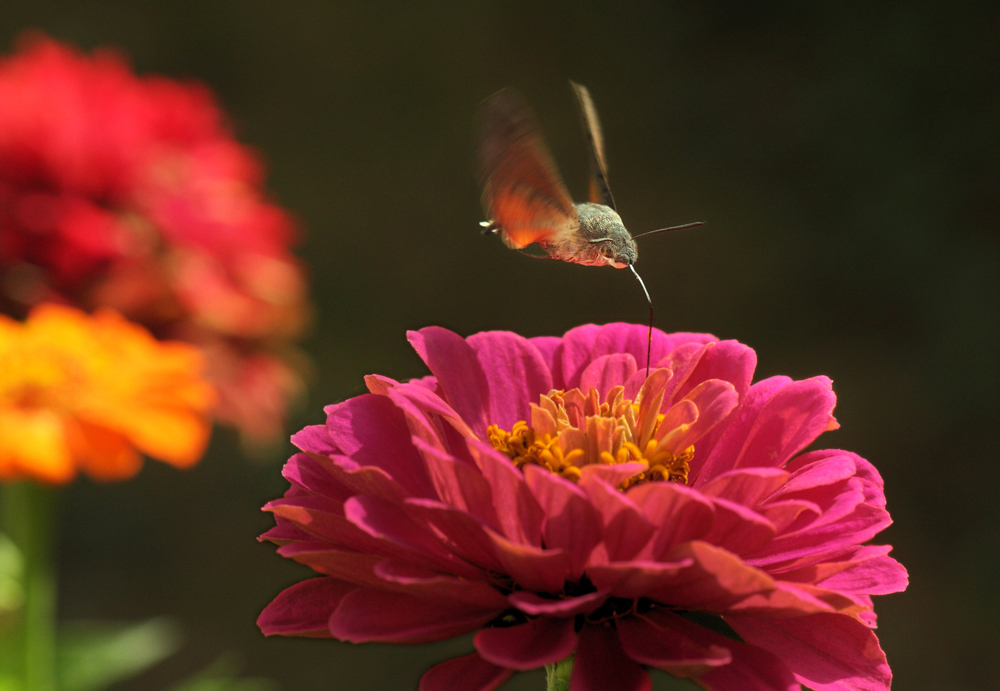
<point>844,156</point>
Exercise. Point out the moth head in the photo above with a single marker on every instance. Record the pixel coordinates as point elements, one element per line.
<point>619,252</point>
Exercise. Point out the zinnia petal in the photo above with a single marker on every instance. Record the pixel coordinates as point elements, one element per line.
<point>751,669</point>
<point>601,664</point>
<point>517,374</point>
<point>539,642</point>
<point>458,372</point>
<point>469,673</point>
<point>571,521</point>
<point>606,372</point>
<point>304,609</point>
<point>827,652</point>
<point>369,614</point>
<point>669,642</point>
<point>372,431</point>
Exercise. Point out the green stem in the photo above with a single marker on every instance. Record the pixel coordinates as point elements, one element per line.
<point>29,520</point>
<point>557,675</point>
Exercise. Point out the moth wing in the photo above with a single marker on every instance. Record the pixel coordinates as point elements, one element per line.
<point>523,193</point>
<point>600,193</point>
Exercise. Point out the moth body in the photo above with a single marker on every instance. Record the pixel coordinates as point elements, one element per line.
<point>525,197</point>
<point>527,202</point>
<point>600,239</point>
<point>596,238</point>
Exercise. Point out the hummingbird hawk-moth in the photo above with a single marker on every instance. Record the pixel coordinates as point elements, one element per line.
<point>526,200</point>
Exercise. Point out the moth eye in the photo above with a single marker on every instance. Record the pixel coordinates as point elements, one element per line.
<point>606,251</point>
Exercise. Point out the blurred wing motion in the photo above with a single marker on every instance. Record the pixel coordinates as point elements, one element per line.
<point>600,193</point>
<point>523,194</point>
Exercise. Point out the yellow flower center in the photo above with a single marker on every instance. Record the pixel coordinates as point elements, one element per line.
<point>570,430</point>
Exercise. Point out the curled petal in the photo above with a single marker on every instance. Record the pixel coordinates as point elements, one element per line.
<point>752,669</point>
<point>536,605</point>
<point>737,528</point>
<point>670,642</point>
<point>682,362</point>
<point>469,673</point>
<point>349,567</point>
<point>789,516</point>
<point>539,642</point>
<point>310,473</point>
<point>626,532</point>
<point>315,439</point>
<point>517,510</point>
<point>635,579</point>
<point>601,664</point>
<point>304,609</point>
<point>541,570</point>
<point>810,570</point>
<point>607,372</point>
<point>676,423</point>
<point>516,371</point>
<point>715,581</point>
<point>461,532</point>
<point>612,475</point>
<point>784,424</point>
<point>389,522</point>
<point>727,361</point>
<point>650,400</point>
<point>366,480</point>
<point>826,652</point>
<point>849,522</point>
<point>879,575</point>
<point>372,431</point>
<point>714,399</point>
<point>679,513</point>
<point>746,486</point>
<point>426,413</point>
<point>550,348</point>
<point>571,521</point>
<point>724,453</point>
<point>817,481</point>
<point>458,484</point>
<point>370,614</point>
<point>458,372</point>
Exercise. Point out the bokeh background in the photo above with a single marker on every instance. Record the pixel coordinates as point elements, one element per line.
<point>845,159</point>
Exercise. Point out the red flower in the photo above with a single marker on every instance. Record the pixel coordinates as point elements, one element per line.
<point>128,192</point>
<point>548,493</point>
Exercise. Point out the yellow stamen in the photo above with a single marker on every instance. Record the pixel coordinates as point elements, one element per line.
<point>565,447</point>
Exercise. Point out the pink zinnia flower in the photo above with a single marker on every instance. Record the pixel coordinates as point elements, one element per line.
<point>549,494</point>
<point>130,192</point>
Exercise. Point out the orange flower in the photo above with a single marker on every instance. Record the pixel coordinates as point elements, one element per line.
<point>92,393</point>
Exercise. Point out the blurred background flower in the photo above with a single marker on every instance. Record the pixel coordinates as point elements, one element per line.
<point>81,393</point>
<point>92,394</point>
<point>130,196</point>
<point>131,193</point>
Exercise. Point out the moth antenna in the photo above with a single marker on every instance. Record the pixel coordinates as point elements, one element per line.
<point>649,337</point>
<point>664,230</point>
